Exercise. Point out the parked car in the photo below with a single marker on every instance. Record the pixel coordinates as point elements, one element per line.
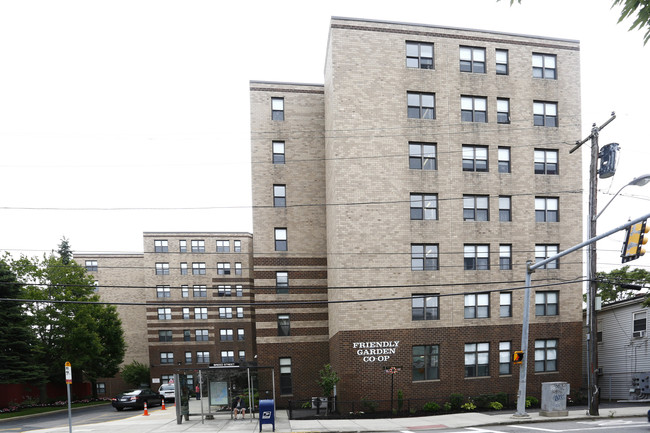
<point>136,398</point>
<point>167,391</point>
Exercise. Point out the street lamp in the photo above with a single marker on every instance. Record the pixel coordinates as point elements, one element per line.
<point>637,181</point>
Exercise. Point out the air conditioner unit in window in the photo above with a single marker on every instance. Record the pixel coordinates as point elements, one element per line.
<point>638,334</point>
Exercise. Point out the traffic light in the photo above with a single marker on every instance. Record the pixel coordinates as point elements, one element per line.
<point>518,357</point>
<point>634,241</point>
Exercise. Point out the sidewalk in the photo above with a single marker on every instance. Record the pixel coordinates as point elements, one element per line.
<point>160,421</point>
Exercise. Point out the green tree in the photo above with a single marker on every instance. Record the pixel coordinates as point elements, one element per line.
<point>65,252</point>
<point>621,284</point>
<point>136,374</point>
<point>328,379</point>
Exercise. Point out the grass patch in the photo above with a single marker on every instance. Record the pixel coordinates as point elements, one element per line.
<point>40,410</point>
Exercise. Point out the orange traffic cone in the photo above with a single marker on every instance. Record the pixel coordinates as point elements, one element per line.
<point>146,412</point>
<point>163,404</point>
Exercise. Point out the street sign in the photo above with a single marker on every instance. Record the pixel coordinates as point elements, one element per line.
<point>68,373</point>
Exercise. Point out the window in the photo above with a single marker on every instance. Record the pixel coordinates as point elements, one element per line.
<point>188,357</point>
<point>225,312</point>
<point>278,152</point>
<point>546,209</point>
<point>242,356</point>
<point>279,196</point>
<point>160,246</point>
<point>544,66</point>
<point>545,355</point>
<point>277,108</point>
<point>201,313</point>
<point>185,291</point>
<point>184,268</point>
<point>186,313</point>
<point>223,246</point>
<point>164,314</point>
<point>240,312</point>
<point>505,304</point>
<point>543,252</point>
<point>547,303</point>
<point>203,357</point>
<point>420,105</point>
<point>545,113</point>
<point>424,206</point>
<point>546,162</point>
<point>639,321</point>
<point>225,335</point>
<point>284,325</point>
<point>91,265</point>
<point>238,246</point>
<point>101,388</point>
<point>223,268</point>
<point>166,357</point>
<point>425,307</point>
<point>198,246</point>
<point>198,268</point>
<point>162,268</point>
<point>282,282</point>
<point>163,292</point>
<point>505,257</point>
<point>224,291</point>
<point>239,290</point>
<point>472,59</point>
<point>240,334</point>
<point>227,356</point>
<point>201,335</point>
<point>504,357</point>
<point>419,55</point>
<point>164,336</point>
<point>238,269</point>
<point>504,159</point>
<point>475,208</point>
<point>505,209</point>
<point>200,292</point>
<point>422,156</point>
<point>477,306</point>
<point>477,257</point>
<point>285,376</point>
<point>473,109</point>
<point>477,356</point>
<point>475,158</point>
<point>501,62</point>
<point>187,335</point>
<point>425,363</point>
<point>503,110</point>
<point>182,246</point>
<point>280,239</point>
<point>424,257</point>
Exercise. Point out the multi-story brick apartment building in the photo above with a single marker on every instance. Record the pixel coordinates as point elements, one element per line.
<point>409,191</point>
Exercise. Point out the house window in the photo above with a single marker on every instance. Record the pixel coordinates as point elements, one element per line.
<point>282,282</point>
<point>504,357</point>
<point>198,268</point>
<point>501,62</point>
<point>201,335</point>
<point>160,246</point>
<point>187,335</point>
<point>425,307</point>
<point>223,246</point>
<point>182,246</point>
<point>202,357</point>
<point>477,306</point>
<point>546,209</point>
<point>505,304</point>
<point>163,292</point>
<point>185,291</point>
<point>164,336</point>
<point>544,66</point>
<point>240,312</point>
<point>422,156</point>
<point>504,159</point>
<point>472,59</point>
<point>201,313</point>
<point>547,303</point>
<point>101,388</point>
<point>475,208</point>
<point>223,268</point>
<point>242,356</point>
<point>239,291</point>
<point>184,268</point>
<point>224,291</point>
<point>477,257</point>
<point>91,265</point>
<point>477,356</point>
<point>545,113</point>
<point>188,357</point>
<point>505,208</point>
<point>424,206</point>
<point>278,152</point>
<point>162,268</point>
<point>164,314</point>
<point>225,312</point>
<point>198,246</point>
<point>240,334</point>
<point>280,239</point>
<point>279,196</point>
<point>227,356</point>
<point>277,108</point>
<point>546,162</point>
<point>419,55</point>
<point>473,109</point>
<point>238,246</point>
<point>545,355</point>
<point>475,158</point>
<point>420,105</point>
<point>639,321</point>
<point>238,269</point>
<point>284,325</point>
<point>424,257</point>
<point>503,110</point>
<point>186,313</point>
<point>285,376</point>
<point>425,363</point>
<point>166,357</point>
<point>200,292</point>
<point>543,252</point>
<point>505,257</point>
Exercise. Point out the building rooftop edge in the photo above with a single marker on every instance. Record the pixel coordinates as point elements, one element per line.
<point>171,233</point>
<point>280,83</point>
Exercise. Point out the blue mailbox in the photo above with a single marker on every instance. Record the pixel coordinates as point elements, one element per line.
<point>267,413</point>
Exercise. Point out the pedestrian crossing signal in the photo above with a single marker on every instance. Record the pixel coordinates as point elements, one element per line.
<point>518,357</point>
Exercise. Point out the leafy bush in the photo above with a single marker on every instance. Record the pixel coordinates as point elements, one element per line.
<point>532,401</point>
<point>400,400</point>
<point>468,406</point>
<point>502,398</point>
<point>456,400</point>
<point>483,401</point>
<point>495,405</point>
<point>447,406</point>
<point>369,405</point>
<point>431,407</point>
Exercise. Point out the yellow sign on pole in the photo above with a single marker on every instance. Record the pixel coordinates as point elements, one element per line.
<point>68,373</point>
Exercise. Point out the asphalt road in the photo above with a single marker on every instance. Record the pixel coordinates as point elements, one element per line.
<point>605,425</point>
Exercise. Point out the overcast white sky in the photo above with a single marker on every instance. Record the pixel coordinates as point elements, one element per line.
<point>119,117</point>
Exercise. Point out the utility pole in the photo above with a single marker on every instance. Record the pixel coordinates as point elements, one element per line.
<point>592,344</point>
